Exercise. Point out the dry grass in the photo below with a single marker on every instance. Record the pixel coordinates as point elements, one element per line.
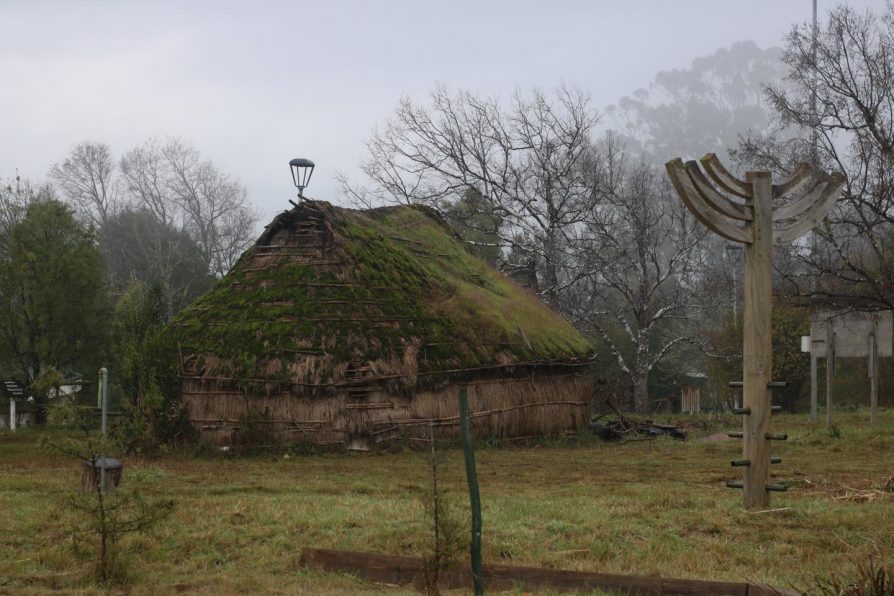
<point>652,508</point>
<point>508,408</point>
<point>403,303</point>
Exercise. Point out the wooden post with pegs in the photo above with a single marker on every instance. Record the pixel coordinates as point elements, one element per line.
<point>814,192</point>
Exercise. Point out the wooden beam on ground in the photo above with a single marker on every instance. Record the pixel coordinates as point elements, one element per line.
<point>392,569</point>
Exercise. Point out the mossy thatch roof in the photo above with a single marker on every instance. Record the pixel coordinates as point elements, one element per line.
<point>326,292</point>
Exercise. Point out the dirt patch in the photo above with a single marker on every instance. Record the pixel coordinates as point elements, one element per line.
<point>714,437</point>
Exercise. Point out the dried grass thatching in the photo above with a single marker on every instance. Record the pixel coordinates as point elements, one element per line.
<point>333,306</point>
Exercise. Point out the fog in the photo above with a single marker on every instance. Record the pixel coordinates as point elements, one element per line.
<point>253,86</point>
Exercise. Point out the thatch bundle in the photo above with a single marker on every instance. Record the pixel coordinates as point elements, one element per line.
<point>339,324</point>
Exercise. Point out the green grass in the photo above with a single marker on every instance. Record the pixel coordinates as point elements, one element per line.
<point>649,508</point>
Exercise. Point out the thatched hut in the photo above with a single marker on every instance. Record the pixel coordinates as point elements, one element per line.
<point>347,326</point>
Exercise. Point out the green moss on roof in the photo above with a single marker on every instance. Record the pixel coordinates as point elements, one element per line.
<point>394,290</point>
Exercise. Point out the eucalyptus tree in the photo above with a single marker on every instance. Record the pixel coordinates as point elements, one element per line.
<point>703,108</point>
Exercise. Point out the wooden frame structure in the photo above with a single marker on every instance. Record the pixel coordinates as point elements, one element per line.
<point>848,334</point>
<point>690,399</point>
<point>813,193</point>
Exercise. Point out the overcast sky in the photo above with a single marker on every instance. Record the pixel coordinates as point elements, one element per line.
<point>253,84</point>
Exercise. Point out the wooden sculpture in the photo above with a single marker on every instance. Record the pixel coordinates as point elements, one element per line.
<point>814,192</point>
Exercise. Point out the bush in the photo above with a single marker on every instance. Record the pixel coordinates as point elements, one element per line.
<point>871,579</point>
<point>150,422</point>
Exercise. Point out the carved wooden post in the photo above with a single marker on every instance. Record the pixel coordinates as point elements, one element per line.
<point>816,192</point>
<point>758,339</point>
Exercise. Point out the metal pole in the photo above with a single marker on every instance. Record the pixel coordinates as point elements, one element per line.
<point>12,414</point>
<point>465,430</point>
<point>830,369</point>
<point>814,148</point>
<point>731,250</point>
<point>735,300</point>
<point>873,372</point>
<point>813,98</point>
<point>105,408</point>
<point>813,388</point>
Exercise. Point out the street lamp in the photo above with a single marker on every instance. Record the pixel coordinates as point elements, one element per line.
<point>301,172</point>
<point>737,250</point>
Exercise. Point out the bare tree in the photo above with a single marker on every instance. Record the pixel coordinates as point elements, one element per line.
<point>639,266</point>
<point>213,206</point>
<point>600,235</point>
<point>87,180</point>
<point>146,173</point>
<point>187,193</point>
<point>838,100</point>
<point>524,160</point>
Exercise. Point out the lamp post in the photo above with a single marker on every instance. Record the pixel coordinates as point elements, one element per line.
<point>731,250</point>
<point>302,169</point>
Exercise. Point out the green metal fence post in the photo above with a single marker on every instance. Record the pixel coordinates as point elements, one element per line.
<point>465,430</point>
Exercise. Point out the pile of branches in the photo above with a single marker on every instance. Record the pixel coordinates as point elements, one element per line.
<point>615,426</point>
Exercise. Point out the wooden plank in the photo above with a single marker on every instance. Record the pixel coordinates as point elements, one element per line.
<point>797,182</point>
<point>703,212</point>
<point>851,329</point>
<point>714,198</point>
<point>722,177</point>
<point>814,213</point>
<point>392,569</point>
<point>793,208</point>
<point>758,346</point>
<point>372,406</point>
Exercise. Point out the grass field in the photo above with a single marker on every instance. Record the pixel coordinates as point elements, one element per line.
<point>647,507</point>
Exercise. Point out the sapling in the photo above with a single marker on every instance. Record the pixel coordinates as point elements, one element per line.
<point>103,515</point>
<point>445,542</point>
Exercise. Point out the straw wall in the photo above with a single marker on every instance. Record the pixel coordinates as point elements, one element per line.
<point>506,408</point>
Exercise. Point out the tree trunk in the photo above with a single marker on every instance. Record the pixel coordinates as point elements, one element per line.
<point>641,368</point>
<point>641,393</point>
